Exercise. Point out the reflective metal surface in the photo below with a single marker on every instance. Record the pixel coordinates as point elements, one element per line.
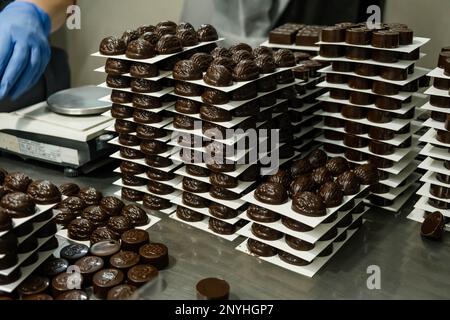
<point>80,101</point>
<point>411,268</point>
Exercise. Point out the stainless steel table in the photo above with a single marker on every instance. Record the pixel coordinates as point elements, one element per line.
<point>411,268</point>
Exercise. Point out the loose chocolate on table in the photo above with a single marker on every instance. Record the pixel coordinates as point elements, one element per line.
<point>61,283</point>
<point>121,292</point>
<point>90,196</point>
<point>106,279</point>
<point>69,189</point>
<point>141,274</point>
<point>213,289</point>
<point>433,226</point>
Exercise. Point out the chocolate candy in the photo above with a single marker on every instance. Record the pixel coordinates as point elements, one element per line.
<point>368,70</point>
<point>221,227</point>
<point>130,35</point>
<point>309,204</point>
<point>261,214</point>
<point>17,205</point>
<point>387,103</point>
<point>281,36</point>
<point>194,201</point>
<point>337,166</point>
<point>357,53</point>
<point>16,182</point>
<point>106,279</point>
<point>261,249</point>
<point>342,66</point>
<point>355,128</point>
<point>359,83</point>
<point>353,141</point>
<point>331,51</point>
<point>188,37</point>
<point>245,70</point>
<point>380,162</point>
<point>381,148</point>
<point>143,70</point>
<point>396,74</point>
<point>207,32</point>
<point>213,289</point>
<point>291,259</point>
<point>385,39</point>
<point>156,203</point>
<point>265,233</point>
<point>188,215</point>
<point>361,98</point>
<point>433,226</point>
<point>117,67</point>
<point>358,36</point>
<point>187,70</point>
<point>118,82</point>
<point>202,60</point>
<point>223,193</point>
<point>112,46</point>
<point>439,101</point>
<point>187,89</point>
<point>195,186</point>
<point>140,49</point>
<point>298,244</point>
<point>333,34</point>
<point>168,44</point>
<point>121,292</point>
<point>131,195</point>
<point>124,127</point>
<point>385,56</point>
<point>331,194</point>
<point>218,75</point>
<point>61,283</point>
<point>381,133</point>
<point>5,222</point>
<point>265,63</point>
<point>384,88</point>
<point>348,182</point>
<point>271,193</point>
<point>145,86</point>
<point>222,212</point>
<point>337,78</point>
<point>367,174</point>
<point>103,234</point>
<point>353,112</point>
<point>155,254</point>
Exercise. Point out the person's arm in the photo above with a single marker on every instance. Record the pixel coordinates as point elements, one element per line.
<point>56,9</point>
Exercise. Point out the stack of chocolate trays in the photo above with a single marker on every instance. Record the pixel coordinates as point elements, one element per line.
<point>301,216</point>
<point>301,39</point>
<point>216,93</point>
<point>138,67</point>
<point>434,193</point>
<point>27,236</point>
<point>368,114</point>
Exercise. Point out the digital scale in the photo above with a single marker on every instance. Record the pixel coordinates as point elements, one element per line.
<point>67,130</point>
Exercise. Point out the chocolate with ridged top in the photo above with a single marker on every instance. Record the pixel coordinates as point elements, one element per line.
<point>308,204</point>
<point>80,229</point>
<point>96,216</point>
<point>136,215</point>
<point>17,205</point>
<point>224,61</point>
<point>187,70</point>
<point>168,44</point>
<point>155,203</point>
<point>300,167</point>
<point>130,35</point>
<point>195,186</point>
<point>216,97</point>
<point>124,260</point>
<point>271,193</point>
<point>194,201</point>
<point>221,227</point>
<point>222,180</point>
<point>321,175</point>
<point>16,182</point>
<point>143,70</point>
<point>145,86</point>
<point>222,212</point>
<point>367,174</point>
<point>317,158</point>
<point>121,96</point>
<point>214,114</point>
<point>103,234</point>
<point>188,215</point>
<point>207,32</point>
<point>197,170</point>
<point>121,112</point>
<point>241,55</point>
<point>221,52</point>
<point>291,259</point>
<point>245,70</point>
<point>348,182</point>
<point>265,233</point>
<point>117,82</point>
<point>69,189</point>
<point>131,195</point>
<point>202,60</point>
<point>117,67</point>
<point>153,147</point>
<point>261,249</point>
<point>301,184</point>
<point>187,106</point>
<point>146,102</point>
<point>159,188</point>
<point>187,89</point>
<point>262,51</point>
<point>337,166</point>
<point>188,37</point>
<point>261,214</point>
<point>121,292</point>
<point>223,193</point>
<point>218,75</point>
<point>140,49</point>
<point>298,244</point>
<point>112,46</point>
<point>295,225</point>
<point>151,37</point>
<point>240,46</point>
<point>331,194</point>
<point>90,196</point>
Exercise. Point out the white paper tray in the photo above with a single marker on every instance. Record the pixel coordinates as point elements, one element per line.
<point>311,236</point>
<point>164,106</point>
<point>286,209</point>
<point>233,204</point>
<point>26,271</point>
<point>428,106</point>
<point>293,47</point>
<point>204,226</point>
<point>424,191</point>
<point>401,64</point>
<point>404,109</point>
<point>204,211</point>
<point>40,209</point>
<point>396,141</point>
<point>417,43</point>
<point>417,215</point>
<point>430,177</point>
<point>402,95</point>
<point>64,234</point>
<point>434,165</point>
<point>394,180</point>
<point>309,270</point>
<point>231,105</point>
<point>162,74</point>
<point>157,94</point>
<point>395,124</point>
<point>430,137</point>
<point>394,193</point>
<point>423,205</point>
<point>437,92</point>
<point>241,187</point>
<point>396,156</point>
<point>157,58</point>
<point>435,152</point>
<point>418,72</point>
<point>165,154</point>
<point>434,124</point>
<point>145,190</point>
<point>400,201</point>
<point>163,139</point>
<point>167,211</point>
<point>438,73</point>
<point>157,125</point>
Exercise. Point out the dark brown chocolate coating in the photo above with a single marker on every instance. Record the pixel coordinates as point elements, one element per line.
<point>385,39</point>
<point>80,229</point>
<point>309,204</point>
<point>90,196</point>
<point>156,203</point>
<point>136,215</point>
<point>261,249</point>
<point>194,201</point>
<point>195,186</point>
<point>266,64</point>
<point>16,182</point>
<point>188,215</point>
<point>103,234</point>
<point>358,36</point>
<point>140,49</point>
<point>301,184</point>
<point>214,114</point>
<point>223,193</point>
<point>349,183</point>
<point>96,216</point>
<point>17,205</point>
<point>271,193</point>
<point>207,32</point>
<point>245,70</point>
<point>321,175</point>
<point>284,58</point>
<point>218,75</point>
<point>265,233</point>
<point>187,70</point>
<point>112,46</point>
<point>159,188</point>
<point>331,194</point>
<point>169,44</point>
<point>298,244</point>
<point>367,174</point>
<point>145,86</point>
<point>317,158</point>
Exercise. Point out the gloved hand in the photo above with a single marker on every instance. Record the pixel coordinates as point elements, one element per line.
<point>24,48</point>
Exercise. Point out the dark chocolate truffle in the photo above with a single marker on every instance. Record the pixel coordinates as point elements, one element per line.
<point>112,46</point>
<point>168,44</point>
<point>308,204</point>
<point>219,76</point>
<point>140,49</point>
<point>348,182</point>
<point>207,32</point>
<point>187,70</point>
<point>17,205</point>
<point>271,193</point>
<point>245,70</point>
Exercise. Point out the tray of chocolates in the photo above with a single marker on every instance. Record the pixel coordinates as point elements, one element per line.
<point>143,117</point>
<point>419,215</point>
<point>158,189</point>
<point>138,101</point>
<point>153,75</point>
<point>152,90</point>
<point>435,165</point>
<point>149,162</point>
<point>152,44</point>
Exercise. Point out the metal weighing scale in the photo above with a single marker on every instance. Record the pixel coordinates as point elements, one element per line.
<point>67,130</point>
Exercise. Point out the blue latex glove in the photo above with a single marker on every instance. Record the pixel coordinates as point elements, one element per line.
<point>24,48</point>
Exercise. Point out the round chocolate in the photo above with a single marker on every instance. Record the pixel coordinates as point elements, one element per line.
<point>136,215</point>
<point>145,86</point>
<point>321,175</point>
<point>131,195</point>
<point>188,37</point>
<point>194,201</point>
<point>119,224</point>
<point>80,229</point>
<point>358,36</point>
<point>168,44</point>
<point>118,82</point>
<point>140,49</point>
<point>112,46</point>
<point>367,174</point>
<point>317,158</point>
<point>130,35</point>
<point>187,70</point>
<point>291,259</point>
<point>106,279</point>
<point>202,60</point>
<point>121,292</point>
<point>223,193</point>
<point>90,196</point>
<point>213,289</point>
<point>222,212</point>
<point>266,64</point>
<point>214,114</point>
<point>284,58</point>
<point>261,249</point>
<point>271,193</point>
<point>206,33</point>
<point>73,252</point>
<point>309,204</point>
<point>17,205</point>
<point>63,282</point>
<point>121,96</point>
<point>123,126</point>
<point>295,225</point>
<point>197,170</point>
<point>385,39</point>
<point>143,70</point>
<point>16,182</point>
<point>245,70</point>
<point>117,67</point>
<point>221,227</point>
<point>102,234</point>
<point>265,233</point>
<point>153,147</point>
<point>219,76</point>
<point>188,215</point>
<point>156,203</point>
<point>155,254</point>
<point>220,52</point>
<point>331,194</point>
<point>298,244</point>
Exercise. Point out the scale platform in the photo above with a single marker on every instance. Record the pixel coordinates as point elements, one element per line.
<point>76,143</point>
